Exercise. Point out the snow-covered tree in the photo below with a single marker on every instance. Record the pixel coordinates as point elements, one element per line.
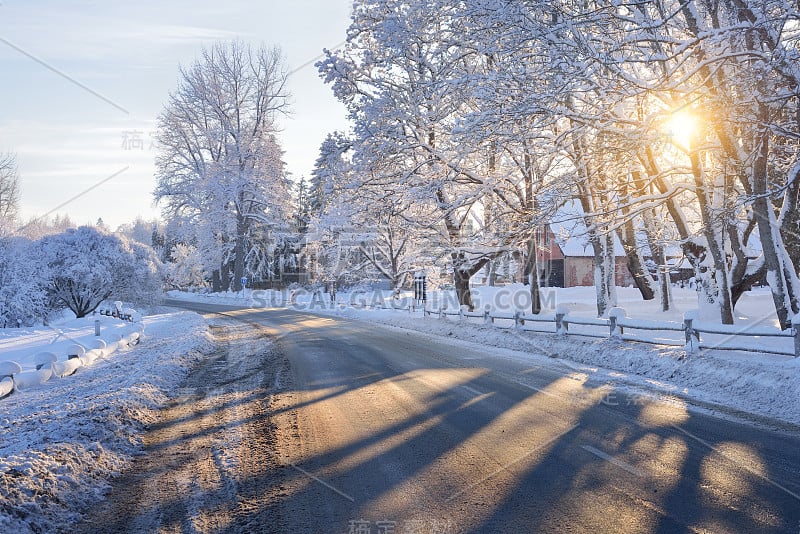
<point>758,131</point>
<point>24,298</point>
<point>672,123</point>
<point>362,232</point>
<point>725,77</point>
<point>139,230</point>
<point>9,193</point>
<point>185,269</point>
<point>140,279</point>
<point>86,266</point>
<point>38,227</point>
<point>622,75</point>
<point>399,76</point>
<point>219,167</point>
<point>302,215</point>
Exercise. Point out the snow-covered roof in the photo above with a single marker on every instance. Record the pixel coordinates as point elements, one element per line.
<point>679,263</point>
<point>570,232</point>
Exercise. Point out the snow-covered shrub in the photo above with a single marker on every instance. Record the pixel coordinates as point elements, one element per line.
<point>23,284</point>
<point>89,265</point>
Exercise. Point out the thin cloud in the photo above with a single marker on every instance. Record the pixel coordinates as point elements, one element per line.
<point>63,75</point>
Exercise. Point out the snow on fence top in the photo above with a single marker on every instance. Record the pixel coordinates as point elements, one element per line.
<point>707,336</point>
<point>29,359</point>
<point>692,333</point>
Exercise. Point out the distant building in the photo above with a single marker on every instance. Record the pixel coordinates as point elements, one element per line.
<point>564,256</point>
<point>567,260</point>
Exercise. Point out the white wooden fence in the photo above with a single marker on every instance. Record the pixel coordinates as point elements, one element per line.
<point>692,334</point>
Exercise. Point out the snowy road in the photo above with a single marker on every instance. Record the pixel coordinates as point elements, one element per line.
<point>206,462</point>
<point>342,426</point>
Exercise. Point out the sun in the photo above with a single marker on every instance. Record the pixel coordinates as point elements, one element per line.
<point>682,128</point>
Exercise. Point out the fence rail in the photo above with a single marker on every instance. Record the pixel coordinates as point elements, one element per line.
<point>49,366</point>
<point>619,326</point>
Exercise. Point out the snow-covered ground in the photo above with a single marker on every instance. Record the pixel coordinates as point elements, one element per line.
<point>753,383</point>
<point>61,440</point>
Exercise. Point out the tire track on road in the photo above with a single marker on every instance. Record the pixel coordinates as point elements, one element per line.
<point>209,463</point>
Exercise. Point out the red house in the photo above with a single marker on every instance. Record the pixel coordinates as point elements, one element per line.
<point>565,257</point>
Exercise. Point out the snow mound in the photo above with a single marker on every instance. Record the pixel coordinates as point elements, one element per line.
<point>61,441</point>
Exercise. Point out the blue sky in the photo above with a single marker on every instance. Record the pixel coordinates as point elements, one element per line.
<point>116,64</point>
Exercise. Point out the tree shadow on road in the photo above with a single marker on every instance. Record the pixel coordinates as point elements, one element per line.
<point>442,448</point>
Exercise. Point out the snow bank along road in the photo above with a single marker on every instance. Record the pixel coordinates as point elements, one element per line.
<point>343,426</point>
<point>206,461</point>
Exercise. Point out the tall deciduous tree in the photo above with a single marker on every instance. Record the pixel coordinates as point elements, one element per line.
<point>487,115</point>
<point>9,192</point>
<point>219,167</point>
<point>382,236</point>
<point>400,75</point>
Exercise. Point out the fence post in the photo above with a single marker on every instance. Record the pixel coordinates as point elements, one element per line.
<point>517,319</point>
<point>796,329</point>
<point>487,316</point>
<point>614,315</point>
<point>561,325</point>
<point>461,313</point>
<point>692,335</point>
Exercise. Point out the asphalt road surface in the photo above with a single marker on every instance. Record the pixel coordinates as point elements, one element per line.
<point>349,427</point>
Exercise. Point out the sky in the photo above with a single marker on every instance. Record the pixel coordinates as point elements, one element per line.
<point>83,83</point>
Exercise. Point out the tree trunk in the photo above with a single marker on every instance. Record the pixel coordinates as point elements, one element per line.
<point>397,283</point>
<point>604,267</point>
<point>714,281</point>
<point>744,284</point>
<point>238,264</point>
<point>532,277</point>
<point>492,278</point>
<point>664,283</point>
<point>627,236</point>
<point>779,275</point>
<point>641,276</point>
<point>462,273</point>
<point>225,276</point>
<point>659,257</point>
<point>790,225</point>
<point>664,286</point>
<point>216,281</point>
<point>536,297</point>
<point>520,263</point>
<point>461,281</point>
<point>239,251</point>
